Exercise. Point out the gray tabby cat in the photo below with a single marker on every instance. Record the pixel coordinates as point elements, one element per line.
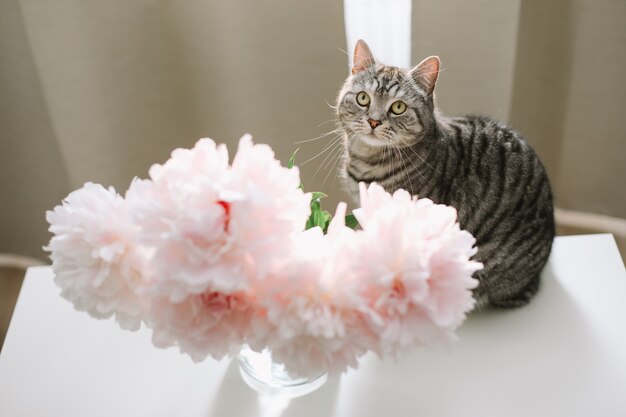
<point>394,136</point>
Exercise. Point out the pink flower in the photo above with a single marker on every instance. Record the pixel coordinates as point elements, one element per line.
<point>208,324</point>
<point>211,256</point>
<point>95,262</point>
<point>215,228</point>
<point>312,322</point>
<point>214,231</point>
<point>273,207</point>
<point>416,260</point>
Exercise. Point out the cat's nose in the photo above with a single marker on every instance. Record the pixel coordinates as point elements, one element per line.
<point>374,123</point>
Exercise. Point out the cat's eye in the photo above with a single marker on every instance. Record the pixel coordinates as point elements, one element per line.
<point>398,107</point>
<point>363,99</point>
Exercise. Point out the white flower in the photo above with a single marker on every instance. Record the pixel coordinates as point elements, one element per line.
<point>416,260</point>
<point>313,322</point>
<point>205,324</point>
<point>213,227</point>
<point>211,256</point>
<point>215,231</point>
<point>93,257</point>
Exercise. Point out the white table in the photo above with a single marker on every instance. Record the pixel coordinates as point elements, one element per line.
<point>562,355</point>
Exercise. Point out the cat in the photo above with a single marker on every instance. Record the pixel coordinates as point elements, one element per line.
<point>394,135</point>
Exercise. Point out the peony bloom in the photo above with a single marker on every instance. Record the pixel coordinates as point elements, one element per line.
<point>95,262</point>
<point>312,322</point>
<point>211,323</point>
<point>215,228</point>
<point>211,255</point>
<point>214,231</point>
<point>416,261</point>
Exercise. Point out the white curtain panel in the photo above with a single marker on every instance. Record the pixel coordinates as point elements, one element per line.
<point>384,24</point>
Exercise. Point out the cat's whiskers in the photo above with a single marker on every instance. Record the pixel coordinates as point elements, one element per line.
<point>332,168</point>
<point>336,158</point>
<point>353,130</point>
<point>385,149</point>
<point>399,148</point>
<point>337,130</point>
<point>406,173</point>
<point>392,153</point>
<point>332,143</point>
<point>325,122</point>
<point>418,155</point>
<point>345,52</point>
<point>395,153</point>
<point>334,152</point>
<point>403,168</point>
<point>339,155</point>
<point>337,144</point>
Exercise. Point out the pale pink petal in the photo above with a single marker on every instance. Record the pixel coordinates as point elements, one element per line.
<point>96,264</point>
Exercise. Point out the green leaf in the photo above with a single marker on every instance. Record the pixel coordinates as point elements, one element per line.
<point>318,218</point>
<point>309,223</point>
<point>325,220</point>
<point>316,195</point>
<point>315,213</point>
<point>292,160</point>
<point>351,221</point>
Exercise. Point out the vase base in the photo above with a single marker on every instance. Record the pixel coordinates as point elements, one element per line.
<point>269,378</point>
<point>290,391</point>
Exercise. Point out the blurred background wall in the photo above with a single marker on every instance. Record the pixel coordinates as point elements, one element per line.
<point>98,91</point>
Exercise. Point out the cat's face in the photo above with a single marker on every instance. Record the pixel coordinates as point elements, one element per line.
<point>383,106</point>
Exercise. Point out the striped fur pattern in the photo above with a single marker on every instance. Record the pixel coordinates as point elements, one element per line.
<point>484,169</point>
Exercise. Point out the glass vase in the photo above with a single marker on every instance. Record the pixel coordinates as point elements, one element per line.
<point>267,377</point>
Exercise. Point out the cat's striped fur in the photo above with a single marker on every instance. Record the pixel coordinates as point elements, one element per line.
<point>477,165</point>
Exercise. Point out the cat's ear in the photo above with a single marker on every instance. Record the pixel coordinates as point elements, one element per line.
<point>363,57</point>
<point>426,72</point>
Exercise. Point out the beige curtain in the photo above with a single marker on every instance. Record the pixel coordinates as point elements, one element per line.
<point>98,90</point>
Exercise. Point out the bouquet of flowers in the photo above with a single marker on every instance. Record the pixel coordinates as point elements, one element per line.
<point>211,255</point>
